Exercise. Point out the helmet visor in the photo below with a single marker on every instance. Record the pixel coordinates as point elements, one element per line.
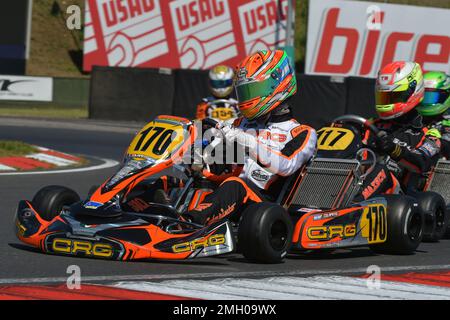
<point>221,84</point>
<point>385,98</point>
<point>250,90</point>
<point>435,96</point>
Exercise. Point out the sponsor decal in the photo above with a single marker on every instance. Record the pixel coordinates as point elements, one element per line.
<point>330,232</point>
<point>20,228</point>
<point>323,216</point>
<point>222,214</point>
<point>138,204</point>
<point>260,175</point>
<point>203,206</point>
<point>92,205</point>
<point>131,31</point>
<point>203,32</point>
<point>87,248</point>
<point>263,24</point>
<point>214,240</point>
<point>353,38</point>
<point>276,137</point>
<point>374,185</point>
<point>26,88</point>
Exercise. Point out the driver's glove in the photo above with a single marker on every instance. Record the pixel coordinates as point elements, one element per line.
<point>241,137</point>
<point>385,143</point>
<point>230,134</point>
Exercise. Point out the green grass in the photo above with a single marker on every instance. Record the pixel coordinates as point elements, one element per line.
<point>15,148</point>
<point>44,112</point>
<point>55,50</point>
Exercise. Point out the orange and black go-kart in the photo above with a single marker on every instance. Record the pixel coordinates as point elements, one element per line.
<point>426,217</point>
<point>57,222</point>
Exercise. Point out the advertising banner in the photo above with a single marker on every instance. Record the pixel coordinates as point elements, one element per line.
<point>355,38</point>
<point>188,34</point>
<point>26,88</point>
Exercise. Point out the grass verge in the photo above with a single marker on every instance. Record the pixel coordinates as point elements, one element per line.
<point>43,112</point>
<point>15,148</point>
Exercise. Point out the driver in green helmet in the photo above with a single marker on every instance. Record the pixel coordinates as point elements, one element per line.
<point>434,108</point>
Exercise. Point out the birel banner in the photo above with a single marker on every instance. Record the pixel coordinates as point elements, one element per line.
<point>190,34</point>
<point>351,38</point>
<point>26,88</point>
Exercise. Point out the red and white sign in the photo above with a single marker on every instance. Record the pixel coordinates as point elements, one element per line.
<point>354,38</point>
<point>189,34</point>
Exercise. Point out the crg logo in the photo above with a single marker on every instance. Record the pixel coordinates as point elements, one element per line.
<point>358,39</point>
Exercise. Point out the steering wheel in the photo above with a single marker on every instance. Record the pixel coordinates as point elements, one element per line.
<point>351,118</point>
<point>221,101</point>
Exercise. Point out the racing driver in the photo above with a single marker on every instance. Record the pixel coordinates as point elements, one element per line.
<point>434,108</point>
<point>220,106</point>
<point>412,148</point>
<point>276,145</point>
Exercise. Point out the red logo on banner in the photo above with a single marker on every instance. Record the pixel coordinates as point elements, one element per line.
<point>263,24</point>
<point>204,32</point>
<point>194,34</point>
<point>342,43</point>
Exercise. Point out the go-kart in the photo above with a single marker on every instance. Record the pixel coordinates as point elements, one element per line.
<point>57,222</point>
<point>343,138</point>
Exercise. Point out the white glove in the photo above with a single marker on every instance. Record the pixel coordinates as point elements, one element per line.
<point>247,140</point>
<point>231,134</point>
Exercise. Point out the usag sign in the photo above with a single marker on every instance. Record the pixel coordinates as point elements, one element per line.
<point>26,88</point>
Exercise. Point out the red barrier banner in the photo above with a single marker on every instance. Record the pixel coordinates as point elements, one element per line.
<point>188,34</point>
<point>357,38</point>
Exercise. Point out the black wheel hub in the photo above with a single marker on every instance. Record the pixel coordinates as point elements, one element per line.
<point>414,226</point>
<point>278,235</point>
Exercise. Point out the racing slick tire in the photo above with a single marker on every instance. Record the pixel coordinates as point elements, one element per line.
<point>50,200</point>
<point>405,223</point>
<point>265,233</point>
<point>436,216</point>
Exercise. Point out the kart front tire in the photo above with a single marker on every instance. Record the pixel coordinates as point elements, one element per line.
<point>50,200</point>
<point>436,215</point>
<point>405,223</point>
<point>265,233</point>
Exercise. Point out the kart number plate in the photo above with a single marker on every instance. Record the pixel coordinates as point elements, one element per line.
<point>335,139</point>
<point>373,223</point>
<point>157,140</point>
<point>222,113</point>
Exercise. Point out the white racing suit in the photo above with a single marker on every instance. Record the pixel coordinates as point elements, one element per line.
<point>283,147</point>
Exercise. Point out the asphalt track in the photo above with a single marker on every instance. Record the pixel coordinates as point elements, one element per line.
<point>18,264</point>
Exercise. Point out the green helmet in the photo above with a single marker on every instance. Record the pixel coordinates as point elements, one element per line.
<point>437,94</point>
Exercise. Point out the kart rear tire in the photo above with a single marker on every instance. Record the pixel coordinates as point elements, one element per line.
<point>50,200</point>
<point>265,233</point>
<point>436,216</point>
<point>403,214</point>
